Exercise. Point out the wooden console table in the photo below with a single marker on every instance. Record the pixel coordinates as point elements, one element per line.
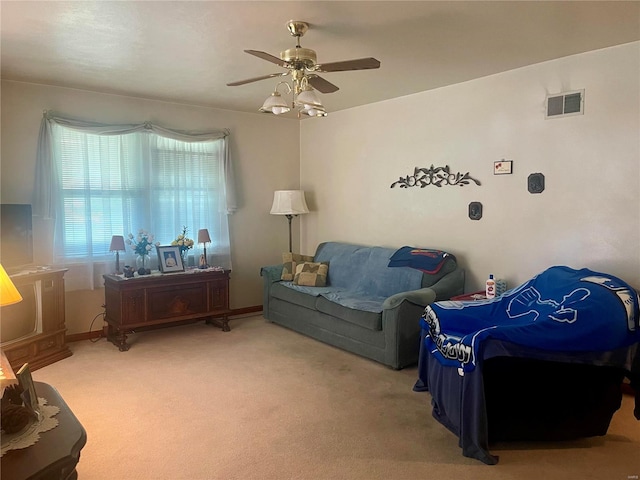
<point>161,299</point>
<point>57,452</point>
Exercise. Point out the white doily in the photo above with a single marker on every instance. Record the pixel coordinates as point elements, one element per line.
<point>31,433</point>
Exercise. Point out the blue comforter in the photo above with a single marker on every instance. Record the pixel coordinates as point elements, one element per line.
<point>561,309</point>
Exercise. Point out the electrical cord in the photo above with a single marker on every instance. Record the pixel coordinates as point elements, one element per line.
<point>101,314</point>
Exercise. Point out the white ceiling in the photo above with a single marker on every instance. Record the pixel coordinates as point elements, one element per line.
<point>183,51</point>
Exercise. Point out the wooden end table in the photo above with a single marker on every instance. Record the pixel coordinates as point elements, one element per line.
<point>467,297</point>
<point>57,452</point>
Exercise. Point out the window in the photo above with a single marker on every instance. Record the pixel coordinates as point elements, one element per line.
<point>119,183</point>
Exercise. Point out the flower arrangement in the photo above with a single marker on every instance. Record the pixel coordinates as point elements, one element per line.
<point>183,242</point>
<point>142,243</point>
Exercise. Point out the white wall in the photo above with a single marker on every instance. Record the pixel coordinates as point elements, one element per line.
<point>588,215</point>
<point>257,238</point>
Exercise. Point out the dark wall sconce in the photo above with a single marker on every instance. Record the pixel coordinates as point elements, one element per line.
<point>535,183</point>
<point>475,210</point>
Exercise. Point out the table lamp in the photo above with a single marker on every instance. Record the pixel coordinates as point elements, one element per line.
<point>8,296</point>
<point>203,237</point>
<point>289,203</point>
<point>117,245</point>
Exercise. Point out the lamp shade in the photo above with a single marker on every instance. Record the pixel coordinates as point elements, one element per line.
<point>308,97</point>
<point>203,236</point>
<point>289,202</point>
<point>117,243</point>
<point>275,104</point>
<point>8,292</point>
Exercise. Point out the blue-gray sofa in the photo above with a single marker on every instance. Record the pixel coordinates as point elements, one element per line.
<point>366,307</point>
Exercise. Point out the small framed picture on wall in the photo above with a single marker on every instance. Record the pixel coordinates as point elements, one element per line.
<point>503,167</point>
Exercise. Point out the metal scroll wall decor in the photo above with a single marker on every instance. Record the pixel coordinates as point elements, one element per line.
<point>438,176</point>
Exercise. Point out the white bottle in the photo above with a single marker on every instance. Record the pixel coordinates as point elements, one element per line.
<point>490,287</point>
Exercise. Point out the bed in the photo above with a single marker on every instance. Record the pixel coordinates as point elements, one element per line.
<point>545,360</point>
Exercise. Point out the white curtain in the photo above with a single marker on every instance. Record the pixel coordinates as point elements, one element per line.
<point>95,180</point>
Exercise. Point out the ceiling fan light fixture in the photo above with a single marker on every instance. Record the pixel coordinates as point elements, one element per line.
<point>308,98</point>
<point>279,110</point>
<point>302,65</point>
<point>314,111</point>
<point>275,104</point>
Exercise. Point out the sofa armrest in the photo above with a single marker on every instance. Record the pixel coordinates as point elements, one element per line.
<point>272,273</point>
<point>450,285</point>
<point>401,326</point>
<point>421,297</point>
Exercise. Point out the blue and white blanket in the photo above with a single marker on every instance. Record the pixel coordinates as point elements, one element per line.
<point>423,259</point>
<point>561,309</point>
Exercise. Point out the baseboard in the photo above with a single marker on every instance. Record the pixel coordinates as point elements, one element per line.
<point>76,337</point>
<point>235,313</point>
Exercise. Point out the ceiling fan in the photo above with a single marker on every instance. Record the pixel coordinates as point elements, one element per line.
<point>301,64</point>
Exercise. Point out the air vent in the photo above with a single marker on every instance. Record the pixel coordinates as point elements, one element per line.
<point>565,104</point>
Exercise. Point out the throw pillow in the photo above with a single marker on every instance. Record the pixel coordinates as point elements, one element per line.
<point>311,274</point>
<point>289,261</point>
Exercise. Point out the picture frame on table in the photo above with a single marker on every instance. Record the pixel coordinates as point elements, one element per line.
<point>169,259</point>
<point>29,395</point>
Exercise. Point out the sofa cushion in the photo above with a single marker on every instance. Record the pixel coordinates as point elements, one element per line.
<point>289,262</point>
<point>332,330</point>
<point>311,274</point>
<point>362,318</point>
<point>283,292</point>
<point>355,300</point>
<point>298,294</point>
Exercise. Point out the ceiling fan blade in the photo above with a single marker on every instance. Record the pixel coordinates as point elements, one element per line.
<point>255,79</point>
<point>268,57</point>
<point>321,84</point>
<point>357,64</point>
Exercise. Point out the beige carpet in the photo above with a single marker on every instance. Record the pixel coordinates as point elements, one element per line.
<point>262,402</point>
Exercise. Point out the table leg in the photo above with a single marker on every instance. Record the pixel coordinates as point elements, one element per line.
<point>223,323</point>
<point>118,338</point>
